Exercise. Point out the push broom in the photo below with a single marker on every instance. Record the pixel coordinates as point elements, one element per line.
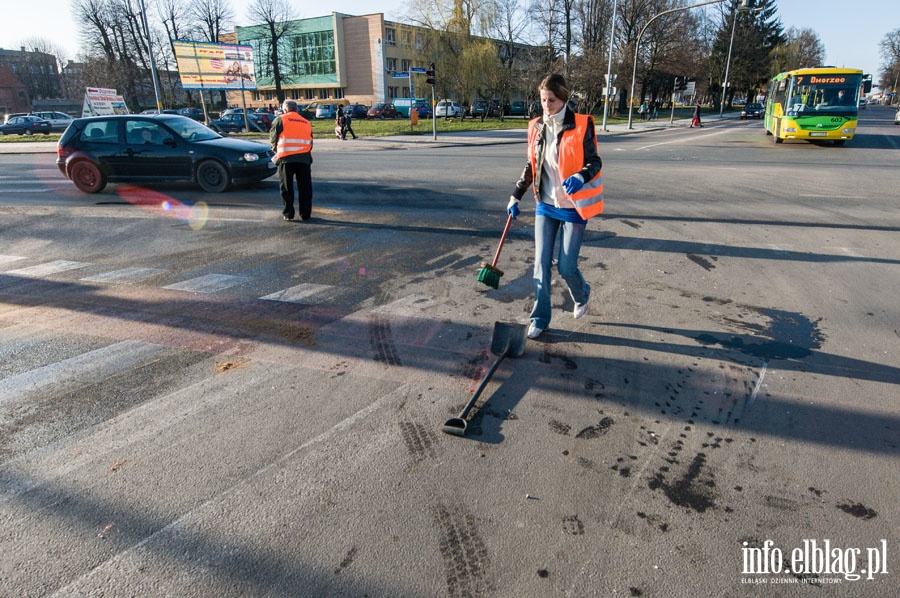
<point>490,274</point>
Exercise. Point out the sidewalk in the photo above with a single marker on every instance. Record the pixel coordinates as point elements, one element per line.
<point>467,138</point>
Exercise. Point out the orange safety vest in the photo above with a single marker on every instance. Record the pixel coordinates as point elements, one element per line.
<point>588,200</point>
<point>296,136</point>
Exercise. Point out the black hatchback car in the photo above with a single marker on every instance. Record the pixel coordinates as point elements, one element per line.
<point>753,110</point>
<point>157,148</point>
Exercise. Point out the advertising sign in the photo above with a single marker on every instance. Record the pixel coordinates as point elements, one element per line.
<point>206,65</point>
<point>103,102</point>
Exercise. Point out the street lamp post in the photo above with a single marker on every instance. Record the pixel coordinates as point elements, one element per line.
<point>612,34</point>
<point>741,6</point>
<point>638,43</point>
<point>152,59</point>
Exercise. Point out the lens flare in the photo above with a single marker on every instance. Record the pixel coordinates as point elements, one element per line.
<point>194,215</point>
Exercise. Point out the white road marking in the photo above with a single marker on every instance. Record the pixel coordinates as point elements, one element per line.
<point>48,268</point>
<point>210,283</point>
<point>306,293</point>
<point>762,374</point>
<point>124,275</point>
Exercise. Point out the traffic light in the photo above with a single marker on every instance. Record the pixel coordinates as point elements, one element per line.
<point>430,74</point>
<point>867,83</point>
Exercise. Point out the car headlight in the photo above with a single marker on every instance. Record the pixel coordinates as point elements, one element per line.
<point>251,157</point>
<point>846,130</point>
<point>790,129</point>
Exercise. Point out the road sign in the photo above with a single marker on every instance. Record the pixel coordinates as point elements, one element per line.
<point>400,75</point>
<point>417,69</point>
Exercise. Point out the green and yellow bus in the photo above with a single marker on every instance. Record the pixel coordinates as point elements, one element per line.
<point>813,104</point>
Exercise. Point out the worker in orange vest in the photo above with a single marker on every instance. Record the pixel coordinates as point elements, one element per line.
<point>564,171</point>
<point>292,140</point>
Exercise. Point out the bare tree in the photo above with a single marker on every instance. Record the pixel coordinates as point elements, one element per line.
<point>890,66</point>
<point>211,18</point>
<point>275,21</point>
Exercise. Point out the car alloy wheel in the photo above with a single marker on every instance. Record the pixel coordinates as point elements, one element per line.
<point>87,177</point>
<point>212,176</point>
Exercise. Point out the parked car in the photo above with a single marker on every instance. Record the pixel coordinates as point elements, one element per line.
<point>58,120</point>
<point>424,109</point>
<point>403,106</point>
<point>863,102</point>
<point>449,109</point>
<point>157,148</point>
<point>518,109</point>
<point>308,110</point>
<point>158,111</point>
<point>482,109</point>
<point>753,110</point>
<point>195,113</point>
<point>382,111</point>
<point>13,115</point>
<point>897,118</point>
<point>25,125</point>
<point>234,123</point>
<point>264,117</point>
<point>327,110</point>
<point>356,110</point>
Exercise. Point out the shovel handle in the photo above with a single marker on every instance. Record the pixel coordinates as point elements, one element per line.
<point>481,386</point>
<point>509,220</point>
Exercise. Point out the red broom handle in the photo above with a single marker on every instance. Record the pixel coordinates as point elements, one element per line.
<point>509,220</point>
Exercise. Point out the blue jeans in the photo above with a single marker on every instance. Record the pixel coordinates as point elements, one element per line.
<point>545,231</point>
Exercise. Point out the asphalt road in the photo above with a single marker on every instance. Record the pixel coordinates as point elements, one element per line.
<point>198,399</point>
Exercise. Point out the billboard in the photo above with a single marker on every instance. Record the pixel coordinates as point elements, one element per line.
<point>206,65</point>
<point>102,102</point>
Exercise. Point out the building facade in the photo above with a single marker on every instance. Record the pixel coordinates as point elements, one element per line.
<point>37,71</point>
<point>352,59</point>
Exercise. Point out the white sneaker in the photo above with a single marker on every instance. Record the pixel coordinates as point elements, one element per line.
<point>581,309</point>
<point>534,331</point>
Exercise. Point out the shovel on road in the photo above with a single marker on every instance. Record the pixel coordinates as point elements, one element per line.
<point>508,339</point>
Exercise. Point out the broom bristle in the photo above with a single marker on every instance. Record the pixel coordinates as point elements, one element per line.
<point>489,277</point>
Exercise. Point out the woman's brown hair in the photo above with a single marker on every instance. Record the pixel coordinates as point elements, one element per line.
<point>557,84</point>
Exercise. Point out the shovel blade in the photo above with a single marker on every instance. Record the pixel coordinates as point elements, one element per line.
<point>508,339</point>
<point>455,426</point>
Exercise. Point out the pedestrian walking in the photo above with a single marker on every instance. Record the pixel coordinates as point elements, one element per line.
<point>348,126</point>
<point>564,172</point>
<point>291,138</point>
<point>695,117</point>
<point>642,111</point>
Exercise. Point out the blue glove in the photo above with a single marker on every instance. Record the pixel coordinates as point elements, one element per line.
<point>512,208</point>
<point>573,184</point>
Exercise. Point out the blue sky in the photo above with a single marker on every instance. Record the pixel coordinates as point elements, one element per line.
<point>850,31</point>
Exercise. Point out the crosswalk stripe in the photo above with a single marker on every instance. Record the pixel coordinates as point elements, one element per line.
<point>207,284</point>
<point>306,293</point>
<point>124,275</point>
<point>6,259</point>
<point>48,268</point>
<point>98,364</point>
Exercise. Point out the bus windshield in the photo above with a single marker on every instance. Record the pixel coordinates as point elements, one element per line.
<point>811,95</point>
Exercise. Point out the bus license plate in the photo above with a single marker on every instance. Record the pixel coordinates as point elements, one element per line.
<point>818,134</point>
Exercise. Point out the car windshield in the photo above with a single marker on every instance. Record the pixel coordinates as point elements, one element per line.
<point>191,129</point>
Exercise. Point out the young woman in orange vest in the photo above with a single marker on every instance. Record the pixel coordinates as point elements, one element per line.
<point>563,170</point>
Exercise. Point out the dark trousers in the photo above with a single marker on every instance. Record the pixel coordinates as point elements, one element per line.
<point>287,172</point>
